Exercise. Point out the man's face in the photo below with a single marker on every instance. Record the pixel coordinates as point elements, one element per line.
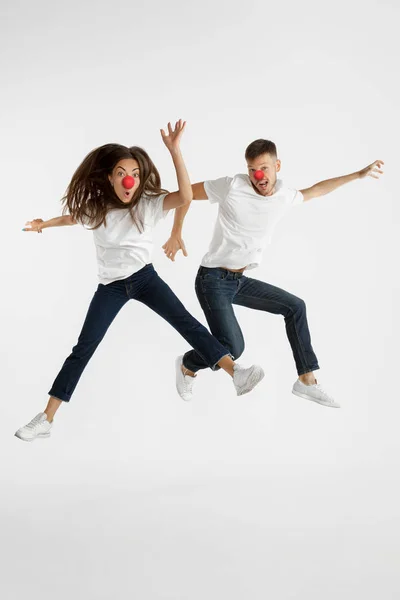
<point>270,166</point>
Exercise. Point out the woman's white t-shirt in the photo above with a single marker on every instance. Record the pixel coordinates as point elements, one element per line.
<point>246,220</point>
<point>121,248</point>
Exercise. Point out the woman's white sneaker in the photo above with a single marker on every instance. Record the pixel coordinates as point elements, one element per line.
<point>39,427</point>
<point>246,379</point>
<point>184,383</point>
<point>315,393</point>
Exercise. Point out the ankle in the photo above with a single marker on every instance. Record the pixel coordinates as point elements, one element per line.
<point>186,371</point>
<point>308,379</point>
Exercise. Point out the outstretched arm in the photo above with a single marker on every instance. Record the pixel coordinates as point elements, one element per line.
<point>329,185</point>
<point>37,225</point>
<point>172,141</point>
<point>175,242</point>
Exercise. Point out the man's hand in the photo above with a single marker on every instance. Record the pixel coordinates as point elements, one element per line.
<point>373,170</point>
<point>173,245</point>
<point>34,225</point>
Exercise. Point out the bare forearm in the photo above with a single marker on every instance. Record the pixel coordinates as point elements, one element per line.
<point>180,214</point>
<point>58,222</point>
<point>184,185</point>
<point>330,185</point>
<point>324,187</point>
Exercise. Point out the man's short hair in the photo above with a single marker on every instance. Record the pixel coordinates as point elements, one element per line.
<point>258,147</point>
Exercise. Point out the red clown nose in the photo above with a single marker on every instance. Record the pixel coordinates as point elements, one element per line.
<point>257,175</point>
<point>128,182</point>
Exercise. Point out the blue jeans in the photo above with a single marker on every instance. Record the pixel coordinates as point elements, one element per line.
<point>146,287</point>
<point>218,289</point>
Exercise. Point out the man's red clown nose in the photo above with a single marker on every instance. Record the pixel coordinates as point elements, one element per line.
<point>257,175</point>
<point>128,182</point>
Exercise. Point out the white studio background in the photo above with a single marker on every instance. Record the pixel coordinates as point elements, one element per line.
<point>138,494</point>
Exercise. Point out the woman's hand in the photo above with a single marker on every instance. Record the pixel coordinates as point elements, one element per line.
<point>34,225</point>
<point>173,245</point>
<point>173,138</point>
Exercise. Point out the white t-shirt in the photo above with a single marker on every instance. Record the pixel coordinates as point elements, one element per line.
<point>245,222</point>
<point>120,247</point>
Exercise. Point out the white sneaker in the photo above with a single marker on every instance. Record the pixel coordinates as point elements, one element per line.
<point>184,383</point>
<point>39,427</point>
<point>315,393</point>
<point>245,379</point>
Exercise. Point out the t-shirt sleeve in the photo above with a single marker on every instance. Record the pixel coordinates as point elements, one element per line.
<point>294,197</point>
<point>218,189</point>
<point>157,208</point>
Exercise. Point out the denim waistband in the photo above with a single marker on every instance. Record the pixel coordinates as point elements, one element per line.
<point>233,275</point>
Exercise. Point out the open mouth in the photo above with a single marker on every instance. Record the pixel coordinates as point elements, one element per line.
<point>263,185</point>
<point>127,193</point>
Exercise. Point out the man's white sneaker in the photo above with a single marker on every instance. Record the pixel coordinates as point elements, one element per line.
<point>315,393</point>
<point>39,427</point>
<point>184,383</point>
<point>245,379</point>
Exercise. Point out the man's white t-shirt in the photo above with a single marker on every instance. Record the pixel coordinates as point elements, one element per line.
<point>246,220</point>
<point>120,247</point>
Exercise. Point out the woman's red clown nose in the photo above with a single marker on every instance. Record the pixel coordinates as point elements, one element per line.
<point>128,182</point>
<point>257,175</point>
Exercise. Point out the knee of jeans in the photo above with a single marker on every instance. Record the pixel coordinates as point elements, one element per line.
<point>296,306</point>
<point>84,347</point>
<point>299,305</point>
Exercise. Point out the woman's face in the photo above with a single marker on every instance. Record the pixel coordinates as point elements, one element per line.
<point>125,167</point>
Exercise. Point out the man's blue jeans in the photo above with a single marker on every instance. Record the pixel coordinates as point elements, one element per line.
<point>218,289</point>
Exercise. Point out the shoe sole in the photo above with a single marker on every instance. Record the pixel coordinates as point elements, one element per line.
<point>178,363</point>
<point>255,377</point>
<point>321,402</point>
<point>24,439</point>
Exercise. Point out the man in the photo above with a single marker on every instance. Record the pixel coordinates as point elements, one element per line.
<point>250,206</point>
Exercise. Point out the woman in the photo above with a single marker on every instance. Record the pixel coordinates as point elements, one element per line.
<point>116,192</point>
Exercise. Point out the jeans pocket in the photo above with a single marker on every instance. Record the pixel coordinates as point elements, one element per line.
<point>213,275</point>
